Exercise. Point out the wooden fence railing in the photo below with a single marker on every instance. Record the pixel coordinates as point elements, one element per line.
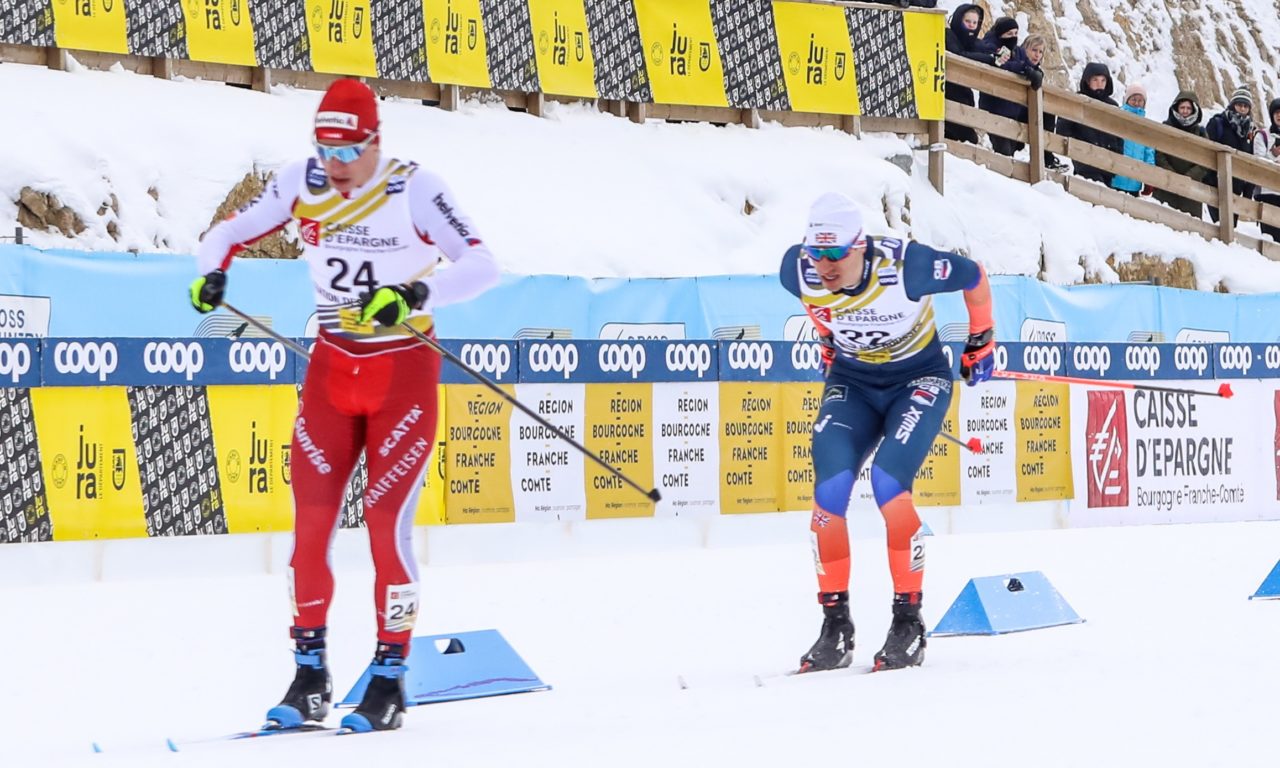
<point>1228,163</point>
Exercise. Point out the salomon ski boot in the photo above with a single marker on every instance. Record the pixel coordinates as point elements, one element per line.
<point>904,647</point>
<point>382,708</point>
<point>834,648</point>
<point>309,696</point>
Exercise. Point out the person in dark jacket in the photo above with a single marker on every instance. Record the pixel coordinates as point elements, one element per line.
<point>1096,83</point>
<point>962,40</point>
<point>1185,115</point>
<point>1270,147</point>
<point>1024,61</point>
<point>1233,127</point>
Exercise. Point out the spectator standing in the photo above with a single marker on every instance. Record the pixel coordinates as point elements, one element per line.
<point>1185,115</point>
<point>1267,144</point>
<point>1233,127</point>
<point>962,40</point>
<point>1096,83</point>
<point>1024,61</point>
<point>1135,102</point>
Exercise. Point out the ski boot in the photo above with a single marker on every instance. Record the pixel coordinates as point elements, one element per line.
<point>309,696</point>
<point>834,648</point>
<point>382,708</point>
<point>904,647</point>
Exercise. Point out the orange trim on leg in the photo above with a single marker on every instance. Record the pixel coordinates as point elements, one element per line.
<point>906,547</point>
<point>830,550</point>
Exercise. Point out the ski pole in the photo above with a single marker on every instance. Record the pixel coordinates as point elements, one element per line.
<point>290,343</point>
<point>973,444</point>
<point>1224,390</point>
<point>653,493</point>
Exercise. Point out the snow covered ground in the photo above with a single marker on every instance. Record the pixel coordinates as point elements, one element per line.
<point>186,639</point>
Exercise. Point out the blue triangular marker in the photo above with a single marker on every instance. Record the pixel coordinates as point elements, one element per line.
<point>925,530</point>
<point>466,665</point>
<point>1270,587</point>
<point>994,605</point>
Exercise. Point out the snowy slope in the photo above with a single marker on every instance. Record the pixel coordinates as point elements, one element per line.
<point>1174,667</point>
<point>578,193</point>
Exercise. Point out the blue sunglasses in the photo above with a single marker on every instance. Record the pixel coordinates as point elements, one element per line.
<point>833,253</point>
<point>344,153</point>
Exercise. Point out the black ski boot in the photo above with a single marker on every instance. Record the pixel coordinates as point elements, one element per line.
<point>834,648</point>
<point>382,708</point>
<point>309,696</point>
<point>904,647</point>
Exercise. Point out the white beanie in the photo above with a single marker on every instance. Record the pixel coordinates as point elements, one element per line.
<point>834,220</point>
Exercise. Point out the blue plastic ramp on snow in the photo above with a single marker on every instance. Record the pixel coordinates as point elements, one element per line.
<point>466,665</point>
<point>1270,587</point>
<point>994,605</point>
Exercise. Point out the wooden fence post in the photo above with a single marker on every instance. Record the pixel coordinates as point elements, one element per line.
<point>937,153</point>
<point>1226,208</point>
<point>1035,135</point>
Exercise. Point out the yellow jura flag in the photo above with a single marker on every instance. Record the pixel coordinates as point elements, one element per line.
<point>456,51</point>
<point>341,34</point>
<point>926,47</point>
<point>681,53</point>
<point>90,25</point>
<point>562,46</point>
<point>817,58</point>
<point>219,31</point>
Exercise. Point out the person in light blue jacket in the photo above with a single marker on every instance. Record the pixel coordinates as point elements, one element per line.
<point>1135,102</point>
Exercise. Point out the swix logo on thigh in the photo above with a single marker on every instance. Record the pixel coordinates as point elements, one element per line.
<point>624,358</point>
<point>257,357</point>
<point>15,361</point>
<point>173,357</point>
<point>1107,440</point>
<point>90,357</point>
<point>750,356</point>
<point>908,425</point>
<point>561,358</point>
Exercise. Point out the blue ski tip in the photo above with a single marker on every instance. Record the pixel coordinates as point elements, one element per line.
<point>171,745</point>
<point>97,749</point>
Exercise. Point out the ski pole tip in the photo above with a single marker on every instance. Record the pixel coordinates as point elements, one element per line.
<point>172,747</point>
<point>96,749</point>
<point>655,496</point>
<point>1225,390</point>
<point>974,445</point>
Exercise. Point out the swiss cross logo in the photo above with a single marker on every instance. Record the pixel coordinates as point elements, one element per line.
<point>394,595</point>
<point>825,238</point>
<point>941,269</point>
<point>310,231</point>
<point>1107,460</point>
<point>822,313</point>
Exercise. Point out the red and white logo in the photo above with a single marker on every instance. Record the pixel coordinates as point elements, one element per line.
<point>822,313</point>
<point>941,269</point>
<point>826,238</point>
<point>343,120</point>
<point>310,231</point>
<point>1107,461</point>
